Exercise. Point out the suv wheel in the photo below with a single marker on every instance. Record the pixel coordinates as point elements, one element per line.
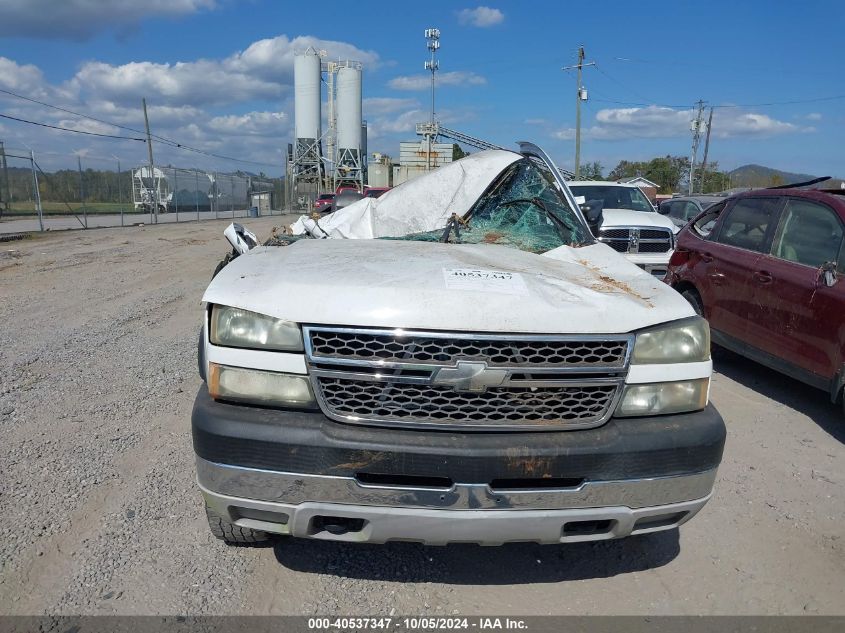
<point>227,531</point>
<point>694,300</point>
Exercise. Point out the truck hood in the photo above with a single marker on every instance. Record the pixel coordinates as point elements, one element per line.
<point>627,217</point>
<point>457,287</point>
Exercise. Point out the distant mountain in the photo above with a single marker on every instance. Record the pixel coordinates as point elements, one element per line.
<point>760,176</point>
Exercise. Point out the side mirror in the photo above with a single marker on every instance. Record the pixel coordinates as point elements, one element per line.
<point>827,274</point>
<point>663,209</point>
<point>593,213</point>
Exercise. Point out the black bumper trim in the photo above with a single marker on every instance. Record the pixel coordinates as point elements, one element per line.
<point>309,442</point>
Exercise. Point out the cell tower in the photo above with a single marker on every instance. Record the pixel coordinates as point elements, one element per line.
<point>432,39</point>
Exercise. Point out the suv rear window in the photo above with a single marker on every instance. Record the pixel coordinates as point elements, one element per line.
<point>747,223</point>
<point>809,234</point>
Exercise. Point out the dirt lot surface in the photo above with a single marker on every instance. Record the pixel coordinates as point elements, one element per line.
<point>101,513</point>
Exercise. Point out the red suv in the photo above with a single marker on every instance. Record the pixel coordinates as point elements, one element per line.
<point>762,267</point>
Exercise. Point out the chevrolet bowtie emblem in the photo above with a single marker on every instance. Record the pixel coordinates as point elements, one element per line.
<point>469,376</point>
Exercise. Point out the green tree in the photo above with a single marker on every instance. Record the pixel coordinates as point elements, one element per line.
<point>626,169</point>
<point>458,152</point>
<point>592,171</point>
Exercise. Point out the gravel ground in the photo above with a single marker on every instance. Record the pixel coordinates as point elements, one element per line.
<point>101,514</point>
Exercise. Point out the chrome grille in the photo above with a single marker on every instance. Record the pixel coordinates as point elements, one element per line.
<point>466,381</point>
<point>424,348</point>
<point>637,239</point>
<point>438,405</point>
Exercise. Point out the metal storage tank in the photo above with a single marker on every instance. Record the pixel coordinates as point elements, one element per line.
<point>349,108</point>
<point>306,79</point>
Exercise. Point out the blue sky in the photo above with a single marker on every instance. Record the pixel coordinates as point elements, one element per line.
<point>217,74</point>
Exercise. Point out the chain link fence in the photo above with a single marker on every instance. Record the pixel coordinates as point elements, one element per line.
<point>41,191</point>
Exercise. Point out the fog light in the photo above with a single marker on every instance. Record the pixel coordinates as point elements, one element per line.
<point>252,386</point>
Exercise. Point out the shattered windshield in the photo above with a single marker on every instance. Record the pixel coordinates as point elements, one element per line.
<point>522,208</point>
<point>614,197</point>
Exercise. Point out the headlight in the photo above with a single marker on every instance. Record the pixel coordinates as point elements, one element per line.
<point>686,341</point>
<point>233,327</point>
<point>664,397</point>
<point>259,387</point>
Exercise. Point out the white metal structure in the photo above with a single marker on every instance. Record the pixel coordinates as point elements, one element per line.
<point>307,170</point>
<point>306,73</point>
<point>150,194</point>
<point>349,166</point>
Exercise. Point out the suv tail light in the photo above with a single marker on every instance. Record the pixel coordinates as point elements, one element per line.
<point>679,257</point>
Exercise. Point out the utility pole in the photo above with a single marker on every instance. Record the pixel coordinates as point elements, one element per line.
<point>82,190</point>
<point>5,194</point>
<point>580,96</point>
<point>432,37</point>
<point>696,138</point>
<point>706,149</point>
<point>152,165</point>
<point>37,190</point>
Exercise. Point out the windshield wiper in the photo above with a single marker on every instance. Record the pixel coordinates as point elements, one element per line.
<point>455,223</point>
<point>538,202</point>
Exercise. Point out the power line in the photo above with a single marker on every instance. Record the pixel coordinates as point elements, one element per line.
<point>161,139</point>
<point>79,114</point>
<point>67,129</point>
<point>777,103</point>
<point>725,105</point>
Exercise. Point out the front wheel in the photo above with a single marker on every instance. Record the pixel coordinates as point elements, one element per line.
<point>227,531</point>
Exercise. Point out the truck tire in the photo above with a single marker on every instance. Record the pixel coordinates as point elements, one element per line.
<point>842,401</point>
<point>231,533</point>
<point>201,356</point>
<point>223,263</point>
<point>694,300</point>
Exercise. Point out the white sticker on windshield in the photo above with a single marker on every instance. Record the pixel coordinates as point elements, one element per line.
<point>485,281</point>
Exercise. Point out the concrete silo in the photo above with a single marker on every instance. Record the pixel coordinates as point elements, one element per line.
<point>349,166</point>
<point>307,170</point>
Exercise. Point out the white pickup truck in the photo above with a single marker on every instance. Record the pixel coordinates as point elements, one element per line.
<point>458,360</point>
<point>630,225</point>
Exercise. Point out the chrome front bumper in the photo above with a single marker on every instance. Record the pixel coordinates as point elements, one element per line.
<point>343,509</point>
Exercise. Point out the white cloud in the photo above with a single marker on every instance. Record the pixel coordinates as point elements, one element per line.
<point>81,19</point>
<point>251,123</point>
<point>374,106</point>
<point>662,122</point>
<point>482,17</point>
<point>192,83</point>
<point>814,116</point>
<point>404,122</point>
<point>423,82</point>
<point>264,70</point>
<point>25,78</point>
<point>751,124</point>
<point>87,125</point>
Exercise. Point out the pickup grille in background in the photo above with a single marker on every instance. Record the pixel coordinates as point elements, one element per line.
<point>637,240</point>
<point>393,378</point>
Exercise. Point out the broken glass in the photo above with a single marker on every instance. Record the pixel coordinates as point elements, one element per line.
<point>523,209</point>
